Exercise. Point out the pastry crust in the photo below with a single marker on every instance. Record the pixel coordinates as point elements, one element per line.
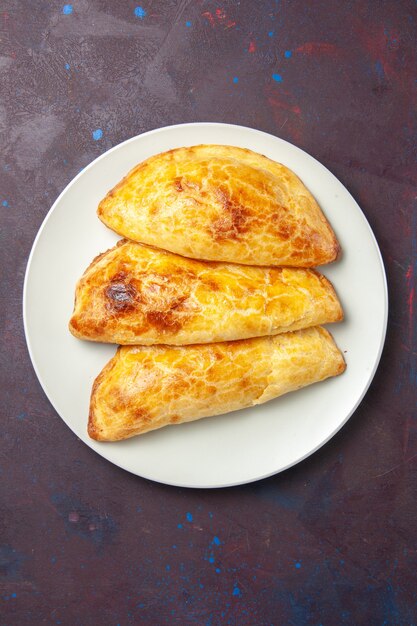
<point>134,294</point>
<point>144,388</point>
<point>221,203</point>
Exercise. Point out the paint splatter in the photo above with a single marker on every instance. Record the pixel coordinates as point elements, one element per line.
<point>188,24</point>
<point>379,70</point>
<point>179,526</point>
<point>216,541</point>
<point>271,33</point>
<point>219,17</point>
<point>67,66</point>
<point>298,565</point>
<point>236,591</point>
<point>97,134</point>
<point>167,567</point>
<point>211,559</point>
<point>288,54</point>
<point>235,79</point>
<point>293,108</point>
<point>140,12</point>
<point>218,570</point>
<point>67,9</point>
<point>5,203</point>
<point>316,47</point>
<point>252,46</point>
<point>277,78</point>
<point>189,517</point>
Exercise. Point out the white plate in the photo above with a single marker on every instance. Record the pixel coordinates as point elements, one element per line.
<point>230,449</point>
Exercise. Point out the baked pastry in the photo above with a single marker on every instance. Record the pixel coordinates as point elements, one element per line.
<point>134,294</point>
<point>144,388</point>
<point>221,203</point>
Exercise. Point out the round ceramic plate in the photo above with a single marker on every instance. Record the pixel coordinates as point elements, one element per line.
<point>229,449</point>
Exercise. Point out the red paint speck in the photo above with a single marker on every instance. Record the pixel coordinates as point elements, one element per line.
<point>252,46</point>
<point>209,16</point>
<point>318,47</point>
<point>287,116</point>
<point>286,106</point>
<point>219,17</point>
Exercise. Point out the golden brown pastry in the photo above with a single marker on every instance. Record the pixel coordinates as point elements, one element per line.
<point>221,203</point>
<point>144,388</point>
<point>134,294</point>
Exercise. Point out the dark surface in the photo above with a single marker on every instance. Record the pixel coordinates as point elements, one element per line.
<point>331,541</point>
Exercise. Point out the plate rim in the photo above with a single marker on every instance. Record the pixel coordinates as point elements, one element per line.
<point>370,376</point>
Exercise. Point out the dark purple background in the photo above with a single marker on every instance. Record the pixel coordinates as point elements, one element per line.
<point>331,541</point>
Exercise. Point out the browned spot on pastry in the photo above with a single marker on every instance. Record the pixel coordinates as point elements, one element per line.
<point>210,283</point>
<point>74,324</point>
<point>94,328</point>
<point>286,230</point>
<point>174,419</point>
<point>178,185</point>
<point>121,294</point>
<point>300,243</point>
<point>234,220</point>
<point>141,415</point>
<point>164,320</point>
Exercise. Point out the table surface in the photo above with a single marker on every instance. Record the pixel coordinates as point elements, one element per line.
<point>331,541</point>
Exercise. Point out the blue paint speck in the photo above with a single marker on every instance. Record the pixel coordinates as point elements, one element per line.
<point>189,517</point>
<point>97,134</point>
<point>218,570</point>
<point>53,559</point>
<point>13,595</point>
<point>235,79</point>
<point>67,66</point>
<point>67,9</point>
<point>211,559</point>
<point>210,515</point>
<point>298,565</point>
<point>379,69</point>
<point>140,12</point>
<point>271,33</point>
<point>216,541</point>
<point>174,547</point>
<point>167,567</point>
<point>288,54</point>
<point>277,77</point>
<point>236,592</point>
<point>179,526</point>
<point>5,203</point>
<point>341,562</point>
<point>188,24</point>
